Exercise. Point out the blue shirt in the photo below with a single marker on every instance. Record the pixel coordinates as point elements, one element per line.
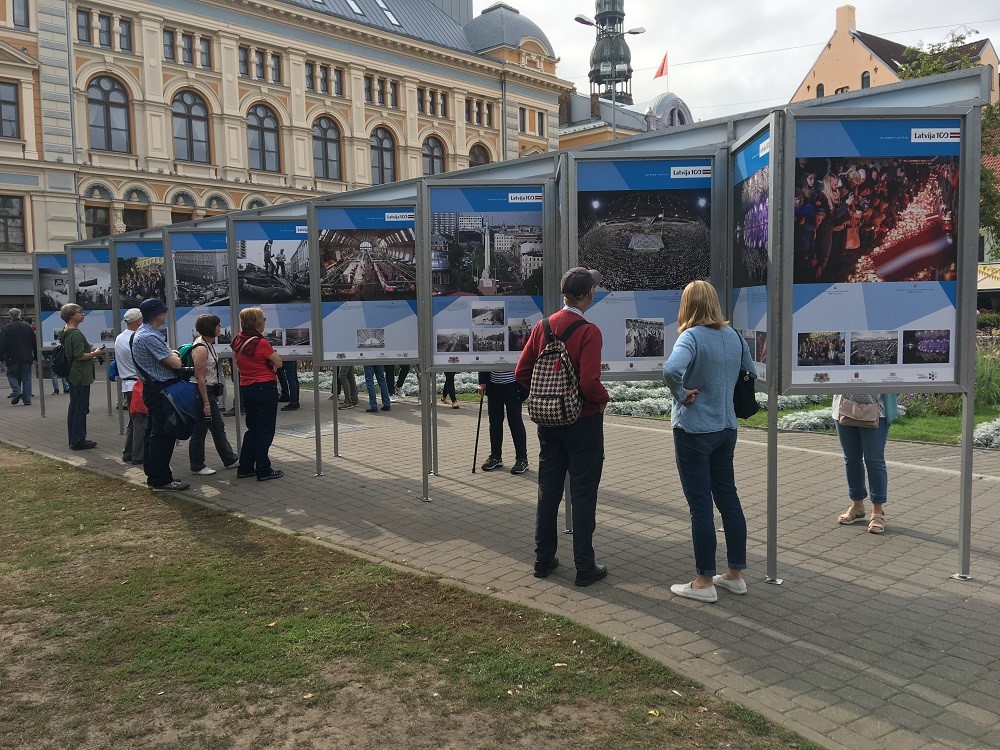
<point>708,359</point>
<point>148,351</point>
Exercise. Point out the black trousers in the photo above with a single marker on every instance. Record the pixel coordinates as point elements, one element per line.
<point>159,446</point>
<point>504,398</point>
<point>577,450</point>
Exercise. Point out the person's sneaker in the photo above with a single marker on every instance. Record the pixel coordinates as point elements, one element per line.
<point>492,463</point>
<point>85,445</point>
<point>14,399</point>
<point>736,587</point>
<point>27,403</point>
<point>275,474</point>
<point>245,474</point>
<point>542,569</point>
<point>11,395</point>
<point>205,472</point>
<point>371,411</point>
<point>595,574</point>
<point>386,408</point>
<point>172,487</point>
<point>699,595</point>
<point>519,467</point>
<point>126,460</point>
<point>54,393</point>
<point>392,398</point>
<point>233,465</point>
<point>399,392</point>
<point>289,407</point>
<point>345,406</point>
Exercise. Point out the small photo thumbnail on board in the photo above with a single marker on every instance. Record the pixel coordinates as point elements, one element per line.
<point>519,332</point>
<point>874,347</point>
<point>297,337</point>
<point>822,348</point>
<point>488,314</point>
<point>371,338</point>
<point>452,340</point>
<point>926,347</point>
<point>488,339</point>
<point>274,337</point>
<point>643,337</point>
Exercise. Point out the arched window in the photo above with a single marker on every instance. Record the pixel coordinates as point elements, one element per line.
<point>383,149</point>
<point>107,116</point>
<point>262,138</point>
<point>820,90</point>
<point>478,156</point>
<point>190,127</point>
<point>255,203</point>
<point>866,80</point>
<point>326,149</point>
<point>217,203</point>
<point>433,151</point>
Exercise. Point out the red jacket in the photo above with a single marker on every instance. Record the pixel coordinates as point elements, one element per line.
<point>584,349</point>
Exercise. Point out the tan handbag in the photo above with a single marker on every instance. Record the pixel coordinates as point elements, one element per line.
<point>852,414</point>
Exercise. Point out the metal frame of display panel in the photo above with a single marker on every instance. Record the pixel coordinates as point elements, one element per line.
<point>40,328</point>
<point>968,202</point>
<point>102,243</point>
<point>716,217</point>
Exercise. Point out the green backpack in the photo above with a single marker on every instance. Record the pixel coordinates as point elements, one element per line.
<point>184,352</point>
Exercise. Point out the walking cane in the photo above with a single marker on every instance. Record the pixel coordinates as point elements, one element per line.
<point>479,425</point>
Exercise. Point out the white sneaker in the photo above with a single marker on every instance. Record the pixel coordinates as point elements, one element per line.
<point>701,595</point>
<point>206,472</point>
<point>392,399</point>
<point>736,587</point>
<point>399,393</point>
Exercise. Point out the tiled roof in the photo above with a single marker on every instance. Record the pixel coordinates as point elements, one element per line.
<point>894,54</point>
<point>501,25</point>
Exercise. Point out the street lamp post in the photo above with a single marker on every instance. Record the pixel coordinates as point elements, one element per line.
<point>603,31</point>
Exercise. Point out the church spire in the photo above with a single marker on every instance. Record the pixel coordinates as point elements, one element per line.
<point>611,58</point>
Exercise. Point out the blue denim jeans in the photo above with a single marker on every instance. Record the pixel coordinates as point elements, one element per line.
<point>864,448</point>
<point>373,373</point>
<point>290,369</point>
<point>19,377</point>
<point>261,402</point>
<point>705,467</point>
<point>76,417</point>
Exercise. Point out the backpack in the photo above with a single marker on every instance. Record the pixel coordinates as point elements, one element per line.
<point>554,399</point>
<point>184,352</point>
<point>60,362</point>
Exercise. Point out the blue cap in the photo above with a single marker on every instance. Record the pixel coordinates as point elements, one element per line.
<point>151,308</point>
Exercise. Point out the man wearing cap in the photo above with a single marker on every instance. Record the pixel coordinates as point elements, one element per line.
<point>157,366</point>
<point>577,448</point>
<point>135,433</point>
<point>19,349</point>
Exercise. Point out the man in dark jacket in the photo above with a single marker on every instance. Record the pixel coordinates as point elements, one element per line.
<point>20,350</point>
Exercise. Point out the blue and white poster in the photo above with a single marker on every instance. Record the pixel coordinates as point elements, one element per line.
<point>53,292</point>
<point>368,282</point>
<point>646,226</point>
<point>875,250</point>
<point>91,285</point>
<point>486,260</point>
<point>272,272</point>
<point>201,277</point>
<point>751,170</point>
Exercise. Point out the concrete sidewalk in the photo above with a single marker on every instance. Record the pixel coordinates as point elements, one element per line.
<point>868,644</point>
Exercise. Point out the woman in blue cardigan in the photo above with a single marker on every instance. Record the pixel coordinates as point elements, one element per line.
<point>701,374</point>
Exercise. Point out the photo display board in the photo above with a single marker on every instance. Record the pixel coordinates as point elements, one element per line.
<point>875,261</point>
<point>53,293</point>
<point>486,272</point>
<point>200,261</point>
<point>140,272</point>
<point>367,282</point>
<point>751,186</point>
<point>90,283</point>
<point>272,272</point>
<point>646,226</point>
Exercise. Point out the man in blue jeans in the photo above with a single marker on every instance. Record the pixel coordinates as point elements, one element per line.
<point>18,347</point>
<point>373,373</point>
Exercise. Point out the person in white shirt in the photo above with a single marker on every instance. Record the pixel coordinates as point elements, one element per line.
<point>209,379</point>
<point>135,432</point>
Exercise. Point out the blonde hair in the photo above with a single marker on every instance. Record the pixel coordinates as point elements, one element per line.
<point>67,311</point>
<point>700,307</point>
<point>252,319</point>
<point>830,189</point>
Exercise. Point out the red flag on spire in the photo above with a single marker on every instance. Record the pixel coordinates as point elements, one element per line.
<point>662,70</point>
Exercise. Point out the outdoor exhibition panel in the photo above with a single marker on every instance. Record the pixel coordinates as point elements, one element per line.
<point>90,288</point>
<point>366,283</point>
<point>271,258</point>
<point>138,267</point>
<point>874,267</point>
<point>198,269</point>
<point>52,287</point>
<point>645,224</point>
<point>487,252</point>
<point>752,184</point>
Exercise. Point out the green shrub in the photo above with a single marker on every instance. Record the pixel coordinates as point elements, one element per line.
<point>987,376</point>
<point>988,320</point>
<point>931,404</point>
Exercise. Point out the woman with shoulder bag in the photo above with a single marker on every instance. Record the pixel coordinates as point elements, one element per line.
<point>258,364</point>
<point>862,421</point>
<point>209,386</point>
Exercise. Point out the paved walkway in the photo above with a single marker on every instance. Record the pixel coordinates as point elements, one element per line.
<point>868,644</point>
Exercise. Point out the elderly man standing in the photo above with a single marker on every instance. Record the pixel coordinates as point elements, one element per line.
<point>19,350</point>
<point>157,366</point>
<point>135,433</point>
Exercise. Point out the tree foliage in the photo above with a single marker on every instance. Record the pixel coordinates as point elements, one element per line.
<point>944,57</point>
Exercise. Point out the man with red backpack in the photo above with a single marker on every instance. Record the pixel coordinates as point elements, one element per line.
<point>572,443</point>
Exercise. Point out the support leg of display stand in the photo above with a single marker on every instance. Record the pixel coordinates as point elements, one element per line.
<point>425,430</point>
<point>107,383</point>
<point>336,413</point>
<point>121,408</point>
<point>569,509</point>
<point>236,407</point>
<point>965,489</point>
<point>318,417</point>
<point>41,386</point>
<point>772,484</point>
<point>432,377</point>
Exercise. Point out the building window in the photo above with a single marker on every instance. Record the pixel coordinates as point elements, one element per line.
<point>135,219</point>
<point>190,114</point>
<point>866,80</point>
<point>478,156</point>
<point>310,75</point>
<point>206,52</point>
<point>820,91</point>
<point>842,90</point>
<point>244,62</point>
<point>421,96</point>
<point>432,103</point>
<point>83,26</point>
<point>380,91</point>
<point>179,217</point>
<point>326,149</point>
<point>169,45</point>
<point>522,120</point>
<point>275,68</point>
<point>258,65</point>
<point>433,152</point>
<point>11,224</point>
<point>97,221</point>
<point>489,115</point>
<point>108,116</point>
<point>262,138</point>
<point>338,82</point>
<point>369,85</point>
<point>541,123</point>
<point>393,94</point>
<point>187,49</point>
<point>10,111</point>
<point>444,104</point>
<point>125,34</point>
<point>20,12</point>
<point>355,7</point>
<point>383,149</point>
<point>104,31</point>
<point>324,79</point>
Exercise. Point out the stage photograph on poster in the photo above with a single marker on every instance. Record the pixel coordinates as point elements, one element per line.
<point>368,282</point>
<point>876,246</point>
<point>750,203</point>
<point>486,243</point>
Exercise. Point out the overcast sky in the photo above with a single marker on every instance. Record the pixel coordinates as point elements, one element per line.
<point>770,44</point>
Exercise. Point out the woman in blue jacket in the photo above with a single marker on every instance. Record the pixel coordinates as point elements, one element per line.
<point>701,374</point>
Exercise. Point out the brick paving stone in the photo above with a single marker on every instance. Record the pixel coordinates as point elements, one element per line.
<point>903,739</point>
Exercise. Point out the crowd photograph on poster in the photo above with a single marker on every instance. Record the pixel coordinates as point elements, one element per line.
<point>518,332</point>
<point>202,278</point>
<point>750,252</point>
<point>822,349</point>
<point>874,348</point>
<point>452,340</point>
<point>272,271</point>
<point>645,239</point>
<point>932,347</point>
<point>488,339</point>
<point>367,264</point>
<point>643,338</point>
<point>875,219</point>
<point>371,338</point>
<point>53,285</point>
<point>140,279</point>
